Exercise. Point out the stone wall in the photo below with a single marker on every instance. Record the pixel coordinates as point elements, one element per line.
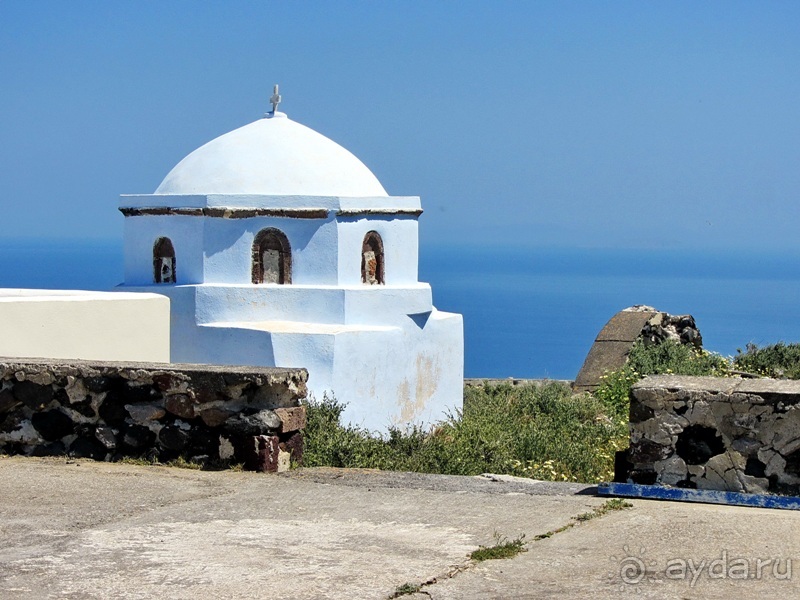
<point>105,411</point>
<point>730,434</point>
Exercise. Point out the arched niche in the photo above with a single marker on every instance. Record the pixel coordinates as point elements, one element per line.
<point>272,257</point>
<point>164,261</point>
<point>372,267</point>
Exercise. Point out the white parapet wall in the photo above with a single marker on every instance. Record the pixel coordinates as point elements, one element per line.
<point>72,324</point>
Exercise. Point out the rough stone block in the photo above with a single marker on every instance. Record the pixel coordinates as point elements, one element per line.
<point>737,435</point>
<point>648,452</point>
<point>181,405</point>
<point>8,402</point>
<point>142,413</point>
<point>226,450</point>
<point>261,453</point>
<point>284,461</point>
<point>293,443</point>
<point>214,416</point>
<point>53,424</point>
<point>85,447</point>
<point>106,436</point>
<point>174,438</point>
<point>264,422</point>
<point>33,395</point>
<point>292,419</point>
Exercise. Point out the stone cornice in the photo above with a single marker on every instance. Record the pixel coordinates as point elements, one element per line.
<point>246,213</point>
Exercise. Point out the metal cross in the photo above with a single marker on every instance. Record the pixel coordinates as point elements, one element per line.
<point>276,99</point>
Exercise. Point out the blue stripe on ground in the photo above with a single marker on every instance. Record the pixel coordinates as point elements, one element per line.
<point>658,492</point>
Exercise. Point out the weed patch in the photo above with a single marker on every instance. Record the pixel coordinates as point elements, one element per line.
<point>138,461</point>
<point>599,511</point>
<point>542,432</point>
<point>778,360</point>
<point>504,548</point>
<point>182,463</point>
<point>608,506</point>
<point>406,589</point>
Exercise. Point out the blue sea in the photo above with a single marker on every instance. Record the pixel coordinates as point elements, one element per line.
<point>528,312</point>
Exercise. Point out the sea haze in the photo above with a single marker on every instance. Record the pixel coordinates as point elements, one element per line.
<point>527,312</point>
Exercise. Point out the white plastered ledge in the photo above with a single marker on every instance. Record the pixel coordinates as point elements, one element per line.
<point>76,324</point>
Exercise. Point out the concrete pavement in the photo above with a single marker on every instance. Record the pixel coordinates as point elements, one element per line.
<point>79,529</point>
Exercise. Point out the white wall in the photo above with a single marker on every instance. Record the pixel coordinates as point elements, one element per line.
<point>400,236</point>
<point>186,235</point>
<point>229,243</point>
<point>84,325</point>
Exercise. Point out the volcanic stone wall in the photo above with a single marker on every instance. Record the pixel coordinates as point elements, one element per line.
<point>105,411</point>
<point>729,434</point>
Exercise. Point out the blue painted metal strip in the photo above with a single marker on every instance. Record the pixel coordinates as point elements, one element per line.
<point>660,492</point>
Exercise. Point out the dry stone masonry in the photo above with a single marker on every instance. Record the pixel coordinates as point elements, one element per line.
<point>105,411</point>
<point>731,434</point>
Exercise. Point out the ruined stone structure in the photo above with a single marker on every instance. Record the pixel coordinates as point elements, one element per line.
<point>614,342</point>
<point>106,411</point>
<point>278,247</point>
<point>731,434</point>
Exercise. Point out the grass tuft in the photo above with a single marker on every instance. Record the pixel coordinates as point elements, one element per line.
<point>504,548</point>
<point>599,511</point>
<point>182,463</point>
<point>608,506</point>
<point>406,589</point>
<point>139,461</point>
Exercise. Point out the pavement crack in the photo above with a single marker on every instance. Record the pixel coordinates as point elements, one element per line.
<point>612,505</point>
<point>416,588</point>
<point>608,506</point>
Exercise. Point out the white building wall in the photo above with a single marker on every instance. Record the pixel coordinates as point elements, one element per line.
<point>412,375</point>
<point>269,302</point>
<point>229,243</point>
<point>84,325</point>
<point>400,244</point>
<point>186,235</point>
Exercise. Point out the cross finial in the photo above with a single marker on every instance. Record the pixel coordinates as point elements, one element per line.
<point>276,99</point>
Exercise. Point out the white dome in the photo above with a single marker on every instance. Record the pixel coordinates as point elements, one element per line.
<point>272,156</point>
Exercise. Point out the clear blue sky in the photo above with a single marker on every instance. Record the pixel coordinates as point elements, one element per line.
<point>585,124</point>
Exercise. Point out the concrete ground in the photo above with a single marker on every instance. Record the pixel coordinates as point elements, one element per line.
<point>79,529</point>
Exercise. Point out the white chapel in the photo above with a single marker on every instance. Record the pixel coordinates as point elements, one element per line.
<point>278,247</point>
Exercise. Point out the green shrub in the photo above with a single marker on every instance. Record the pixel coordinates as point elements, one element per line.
<point>327,443</point>
<point>668,357</point>
<point>673,357</point>
<point>535,431</point>
<point>778,360</point>
<point>614,389</point>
